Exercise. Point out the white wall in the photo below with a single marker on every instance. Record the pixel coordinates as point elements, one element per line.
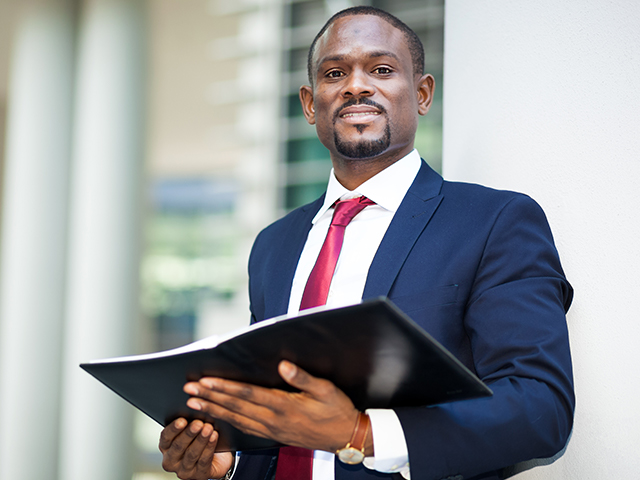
<point>544,97</point>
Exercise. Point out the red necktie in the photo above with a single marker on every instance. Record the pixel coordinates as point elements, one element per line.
<point>317,288</point>
<point>296,463</point>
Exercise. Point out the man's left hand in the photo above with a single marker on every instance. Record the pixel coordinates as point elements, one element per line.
<point>319,417</point>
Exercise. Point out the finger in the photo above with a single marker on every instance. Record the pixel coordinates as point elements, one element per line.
<point>245,391</point>
<point>300,379</point>
<point>182,441</point>
<point>245,416</point>
<point>170,432</point>
<point>236,396</point>
<point>205,463</point>
<point>194,451</point>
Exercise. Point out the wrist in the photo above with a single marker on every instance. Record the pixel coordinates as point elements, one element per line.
<point>230,472</point>
<point>361,442</point>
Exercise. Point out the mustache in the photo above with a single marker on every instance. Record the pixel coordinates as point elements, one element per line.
<point>357,101</point>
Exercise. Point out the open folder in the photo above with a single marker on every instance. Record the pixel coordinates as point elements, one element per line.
<point>372,351</point>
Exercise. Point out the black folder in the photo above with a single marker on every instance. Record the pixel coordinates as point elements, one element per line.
<point>372,351</point>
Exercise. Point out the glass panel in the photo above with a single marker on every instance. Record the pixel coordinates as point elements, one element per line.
<point>306,149</point>
<point>298,195</point>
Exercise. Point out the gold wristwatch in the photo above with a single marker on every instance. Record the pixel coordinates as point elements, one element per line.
<point>353,452</point>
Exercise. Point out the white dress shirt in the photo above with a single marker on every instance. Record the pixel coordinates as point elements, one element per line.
<point>361,241</point>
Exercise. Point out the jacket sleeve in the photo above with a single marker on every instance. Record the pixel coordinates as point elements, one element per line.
<point>514,318</point>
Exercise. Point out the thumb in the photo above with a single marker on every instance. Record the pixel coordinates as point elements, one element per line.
<point>298,378</point>
<point>288,371</point>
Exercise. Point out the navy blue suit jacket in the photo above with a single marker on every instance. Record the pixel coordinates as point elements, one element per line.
<point>476,268</point>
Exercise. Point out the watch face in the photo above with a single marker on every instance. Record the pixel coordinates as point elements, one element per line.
<point>350,456</point>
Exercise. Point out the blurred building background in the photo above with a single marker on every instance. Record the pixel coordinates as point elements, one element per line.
<point>143,145</point>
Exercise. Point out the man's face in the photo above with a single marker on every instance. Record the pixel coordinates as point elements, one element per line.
<point>365,99</point>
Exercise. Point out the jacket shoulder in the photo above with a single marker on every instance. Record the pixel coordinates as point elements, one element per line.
<point>477,199</point>
<point>477,192</point>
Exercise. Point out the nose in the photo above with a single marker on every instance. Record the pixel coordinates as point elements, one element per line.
<point>357,85</point>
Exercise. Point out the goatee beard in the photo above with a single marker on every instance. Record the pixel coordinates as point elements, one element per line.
<point>363,148</point>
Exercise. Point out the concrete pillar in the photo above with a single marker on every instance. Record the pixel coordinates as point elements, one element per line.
<point>259,52</point>
<point>542,97</point>
<point>103,243</point>
<point>34,238</point>
<point>259,39</point>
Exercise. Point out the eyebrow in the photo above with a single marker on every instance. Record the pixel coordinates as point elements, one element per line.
<point>384,53</point>
<point>377,53</point>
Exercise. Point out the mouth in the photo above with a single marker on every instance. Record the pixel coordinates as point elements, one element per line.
<point>359,114</point>
<point>358,111</point>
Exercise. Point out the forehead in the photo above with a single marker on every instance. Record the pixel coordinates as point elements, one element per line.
<point>358,35</point>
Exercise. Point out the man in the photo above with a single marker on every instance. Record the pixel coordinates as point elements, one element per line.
<point>474,267</point>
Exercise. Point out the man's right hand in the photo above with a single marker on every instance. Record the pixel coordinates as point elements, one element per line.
<point>188,450</point>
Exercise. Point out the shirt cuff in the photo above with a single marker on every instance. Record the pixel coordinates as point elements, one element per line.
<point>390,446</point>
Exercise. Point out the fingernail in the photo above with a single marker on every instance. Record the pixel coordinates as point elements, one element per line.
<point>287,370</point>
<point>181,423</point>
<point>211,383</point>
<point>213,437</point>
<point>191,389</point>
<point>194,404</point>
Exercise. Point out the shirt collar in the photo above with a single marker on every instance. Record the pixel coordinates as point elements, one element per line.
<point>400,175</point>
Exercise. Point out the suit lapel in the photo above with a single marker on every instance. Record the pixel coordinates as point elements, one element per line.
<point>415,211</point>
<point>412,216</point>
<point>285,260</point>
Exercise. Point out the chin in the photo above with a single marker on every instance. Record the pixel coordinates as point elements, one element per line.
<point>363,148</point>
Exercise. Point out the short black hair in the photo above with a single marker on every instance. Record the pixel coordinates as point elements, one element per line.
<point>413,41</point>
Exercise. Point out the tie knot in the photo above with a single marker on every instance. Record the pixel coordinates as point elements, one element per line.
<point>345,210</point>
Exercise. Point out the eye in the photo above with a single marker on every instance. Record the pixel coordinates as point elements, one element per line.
<point>382,70</point>
<point>334,74</point>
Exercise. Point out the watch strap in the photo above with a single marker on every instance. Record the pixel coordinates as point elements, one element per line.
<point>353,452</point>
<point>360,432</point>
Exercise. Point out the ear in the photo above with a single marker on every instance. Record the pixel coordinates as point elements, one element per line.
<point>306,99</point>
<point>426,88</point>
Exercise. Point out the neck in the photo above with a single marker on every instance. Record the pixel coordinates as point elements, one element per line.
<point>353,172</point>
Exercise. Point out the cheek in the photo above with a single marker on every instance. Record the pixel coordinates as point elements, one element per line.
<point>323,116</point>
<point>405,111</point>
<point>324,127</point>
<point>322,111</point>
